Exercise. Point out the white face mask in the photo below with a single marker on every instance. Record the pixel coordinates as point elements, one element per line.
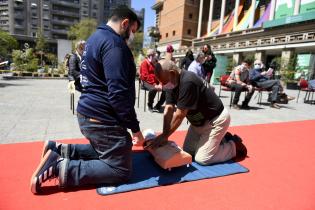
<point>168,86</point>
<point>257,66</point>
<point>131,38</point>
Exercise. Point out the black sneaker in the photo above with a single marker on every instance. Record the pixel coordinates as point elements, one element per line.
<point>236,106</point>
<point>47,169</point>
<point>241,150</point>
<point>150,107</point>
<point>60,149</point>
<point>245,106</point>
<point>157,109</point>
<point>49,145</point>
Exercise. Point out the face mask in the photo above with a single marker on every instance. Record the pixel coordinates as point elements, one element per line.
<point>168,86</point>
<point>257,66</point>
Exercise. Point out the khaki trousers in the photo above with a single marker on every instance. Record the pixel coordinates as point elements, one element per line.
<point>205,142</point>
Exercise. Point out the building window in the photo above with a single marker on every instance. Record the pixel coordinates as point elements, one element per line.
<point>174,32</point>
<point>166,35</point>
<point>189,31</point>
<point>190,16</point>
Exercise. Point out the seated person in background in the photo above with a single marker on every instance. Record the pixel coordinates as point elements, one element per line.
<point>203,109</point>
<point>238,82</point>
<point>260,79</point>
<point>188,59</point>
<point>150,83</point>
<point>197,67</point>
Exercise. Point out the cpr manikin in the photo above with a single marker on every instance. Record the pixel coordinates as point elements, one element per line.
<point>167,156</point>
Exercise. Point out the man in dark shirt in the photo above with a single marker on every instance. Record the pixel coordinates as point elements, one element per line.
<point>105,112</point>
<point>203,109</point>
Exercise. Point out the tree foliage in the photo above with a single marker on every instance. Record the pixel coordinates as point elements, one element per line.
<point>7,44</point>
<point>41,43</point>
<point>82,30</point>
<point>25,60</point>
<point>137,44</point>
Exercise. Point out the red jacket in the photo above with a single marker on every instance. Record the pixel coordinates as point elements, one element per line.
<point>147,72</point>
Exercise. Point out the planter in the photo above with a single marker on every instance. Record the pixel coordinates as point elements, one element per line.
<point>292,85</point>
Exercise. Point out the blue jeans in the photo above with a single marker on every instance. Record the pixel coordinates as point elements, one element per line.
<point>106,160</point>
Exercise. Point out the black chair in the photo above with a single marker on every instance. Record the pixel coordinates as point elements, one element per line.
<point>141,87</point>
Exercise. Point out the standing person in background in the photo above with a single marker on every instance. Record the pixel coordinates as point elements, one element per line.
<point>210,62</point>
<point>158,55</point>
<point>188,59</point>
<point>105,112</point>
<point>74,66</point>
<point>149,81</point>
<point>169,53</point>
<point>197,67</point>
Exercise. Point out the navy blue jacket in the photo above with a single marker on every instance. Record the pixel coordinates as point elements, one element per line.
<point>108,77</point>
<point>255,76</point>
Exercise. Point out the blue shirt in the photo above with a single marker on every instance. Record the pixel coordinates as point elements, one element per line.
<point>108,77</point>
<point>197,68</point>
<point>255,75</point>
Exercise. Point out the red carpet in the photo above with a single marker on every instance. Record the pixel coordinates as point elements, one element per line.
<point>282,176</point>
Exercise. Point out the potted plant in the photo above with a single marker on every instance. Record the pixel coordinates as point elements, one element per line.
<point>289,72</point>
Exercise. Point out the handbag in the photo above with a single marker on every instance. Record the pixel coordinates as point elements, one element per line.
<point>282,98</point>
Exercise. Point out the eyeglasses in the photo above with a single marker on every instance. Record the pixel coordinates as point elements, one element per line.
<point>257,64</point>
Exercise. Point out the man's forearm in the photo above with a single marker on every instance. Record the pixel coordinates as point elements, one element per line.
<point>170,125</point>
<point>168,115</point>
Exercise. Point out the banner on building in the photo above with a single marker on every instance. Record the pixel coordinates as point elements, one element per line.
<point>307,6</point>
<point>284,8</point>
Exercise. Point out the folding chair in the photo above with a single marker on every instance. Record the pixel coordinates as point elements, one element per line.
<point>303,86</point>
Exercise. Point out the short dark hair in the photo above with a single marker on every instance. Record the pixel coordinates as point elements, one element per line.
<point>124,12</point>
<point>248,61</point>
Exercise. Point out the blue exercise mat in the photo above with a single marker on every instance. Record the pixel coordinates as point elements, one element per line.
<point>147,174</point>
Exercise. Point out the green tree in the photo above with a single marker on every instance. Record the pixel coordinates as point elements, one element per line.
<point>41,45</point>
<point>82,30</point>
<point>25,60</point>
<point>7,44</point>
<point>290,68</point>
<point>137,44</point>
<point>52,59</point>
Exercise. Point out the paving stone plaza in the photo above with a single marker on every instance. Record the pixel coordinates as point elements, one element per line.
<point>39,109</point>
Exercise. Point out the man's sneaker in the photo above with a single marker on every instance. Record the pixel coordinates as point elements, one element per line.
<point>236,106</point>
<point>275,105</point>
<point>241,150</point>
<point>290,98</point>
<point>245,106</point>
<point>50,145</point>
<point>157,108</point>
<point>150,108</point>
<point>47,169</point>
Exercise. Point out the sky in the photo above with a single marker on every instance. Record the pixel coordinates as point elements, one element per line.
<point>149,14</point>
